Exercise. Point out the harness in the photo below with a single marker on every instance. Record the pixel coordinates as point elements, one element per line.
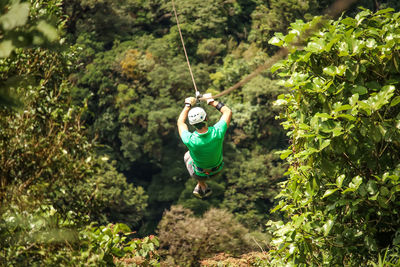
<point>208,171</point>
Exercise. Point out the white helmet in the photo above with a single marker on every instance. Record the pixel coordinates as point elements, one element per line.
<point>196,115</point>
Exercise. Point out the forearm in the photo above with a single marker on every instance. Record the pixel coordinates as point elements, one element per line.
<point>184,114</point>
<point>182,119</point>
<point>226,112</point>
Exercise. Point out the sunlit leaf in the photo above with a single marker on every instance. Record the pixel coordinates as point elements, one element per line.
<point>275,41</point>
<point>329,192</point>
<point>49,31</point>
<point>339,180</point>
<point>6,47</point>
<point>324,144</point>
<point>323,115</point>
<point>395,101</point>
<point>355,183</point>
<point>327,227</point>
<point>16,16</point>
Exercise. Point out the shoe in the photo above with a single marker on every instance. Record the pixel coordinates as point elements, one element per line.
<point>198,192</point>
<point>207,192</point>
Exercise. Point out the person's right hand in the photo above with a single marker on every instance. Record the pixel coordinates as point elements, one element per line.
<point>208,98</point>
<point>190,100</point>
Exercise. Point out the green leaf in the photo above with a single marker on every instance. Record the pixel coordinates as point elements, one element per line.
<point>330,70</point>
<point>374,197</point>
<point>329,192</point>
<point>357,46</point>
<point>327,227</point>
<point>315,47</point>
<point>324,144</point>
<point>382,201</point>
<point>375,134</point>
<point>49,31</point>
<point>277,66</point>
<point>337,131</point>
<point>366,107</point>
<point>355,183</point>
<point>275,41</point>
<point>395,189</point>
<point>384,11</point>
<point>361,16</point>
<point>6,47</point>
<point>349,21</point>
<point>382,98</point>
<point>121,227</point>
<point>353,100</point>
<point>371,187</point>
<point>371,43</point>
<point>339,180</point>
<point>343,49</point>
<point>373,85</point>
<point>384,191</point>
<point>16,16</point>
<point>280,102</point>
<point>346,116</point>
<point>341,108</point>
<point>323,115</point>
<point>117,252</point>
<point>285,154</point>
<point>395,101</point>
<point>360,90</point>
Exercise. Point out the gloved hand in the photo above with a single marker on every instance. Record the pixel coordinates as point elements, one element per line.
<point>208,98</point>
<point>190,100</point>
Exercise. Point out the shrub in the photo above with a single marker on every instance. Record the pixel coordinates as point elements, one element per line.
<point>245,260</point>
<point>186,239</point>
<point>43,237</point>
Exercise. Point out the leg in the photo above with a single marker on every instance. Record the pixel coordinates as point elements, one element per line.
<point>188,162</point>
<point>200,181</point>
<point>202,184</point>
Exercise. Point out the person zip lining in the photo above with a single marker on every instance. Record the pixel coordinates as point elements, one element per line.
<point>204,158</point>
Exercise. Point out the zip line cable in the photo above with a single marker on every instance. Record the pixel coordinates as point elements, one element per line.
<point>335,9</point>
<point>184,48</point>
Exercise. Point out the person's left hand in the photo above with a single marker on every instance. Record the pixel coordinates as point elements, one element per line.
<point>190,100</point>
<point>208,98</point>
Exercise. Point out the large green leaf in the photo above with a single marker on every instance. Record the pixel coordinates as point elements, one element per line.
<point>6,47</point>
<point>327,227</point>
<point>359,89</point>
<point>16,16</point>
<point>339,180</point>
<point>395,101</point>
<point>380,99</point>
<point>329,192</point>
<point>48,30</point>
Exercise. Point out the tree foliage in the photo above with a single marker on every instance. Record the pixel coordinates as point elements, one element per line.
<point>52,183</point>
<point>342,114</point>
<point>101,84</point>
<point>23,26</point>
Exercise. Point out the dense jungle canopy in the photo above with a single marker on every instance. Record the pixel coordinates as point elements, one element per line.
<point>91,163</point>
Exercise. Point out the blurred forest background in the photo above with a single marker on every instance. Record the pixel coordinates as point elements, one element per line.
<point>91,164</point>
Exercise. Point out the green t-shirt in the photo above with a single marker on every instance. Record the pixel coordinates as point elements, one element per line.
<point>206,148</point>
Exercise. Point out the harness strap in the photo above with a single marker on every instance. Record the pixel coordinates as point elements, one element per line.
<point>208,171</point>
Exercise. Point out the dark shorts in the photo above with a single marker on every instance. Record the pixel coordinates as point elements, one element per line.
<point>189,166</point>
